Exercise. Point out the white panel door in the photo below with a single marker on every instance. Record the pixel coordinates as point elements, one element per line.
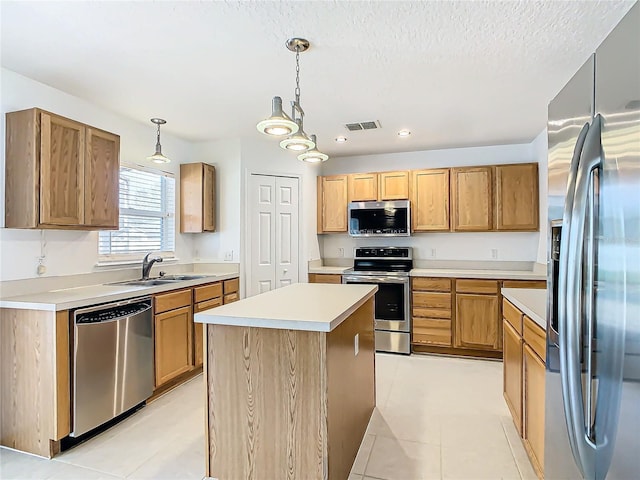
<point>286,231</point>
<point>273,234</point>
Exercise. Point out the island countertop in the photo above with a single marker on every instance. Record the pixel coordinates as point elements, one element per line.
<point>312,307</point>
<point>531,301</point>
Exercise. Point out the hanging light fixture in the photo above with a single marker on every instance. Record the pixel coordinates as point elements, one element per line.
<point>158,157</point>
<point>313,155</point>
<point>279,123</point>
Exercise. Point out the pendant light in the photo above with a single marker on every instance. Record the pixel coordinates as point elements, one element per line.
<point>158,157</point>
<point>279,123</point>
<point>313,155</point>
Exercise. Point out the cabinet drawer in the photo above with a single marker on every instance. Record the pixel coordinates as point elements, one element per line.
<point>232,297</point>
<point>432,331</point>
<point>512,315</point>
<point>431,312</point>
<point>432,300</point>
<point>172,300</point>
<point>207,292</point>
<point>324,278</point>
<point>231,286</point>
<point>206,305</point>
<point>432,284</point>
<point>535,337</point>
<point>477,286</point>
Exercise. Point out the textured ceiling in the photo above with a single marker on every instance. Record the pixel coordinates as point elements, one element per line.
<point>454,73</point>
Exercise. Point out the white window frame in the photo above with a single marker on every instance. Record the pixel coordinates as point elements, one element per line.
<point>136,257</point>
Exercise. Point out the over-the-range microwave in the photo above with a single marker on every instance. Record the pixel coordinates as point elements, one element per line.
<point>380,219</point>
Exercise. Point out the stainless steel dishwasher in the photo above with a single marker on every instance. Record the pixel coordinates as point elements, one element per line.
<point>112,361</point>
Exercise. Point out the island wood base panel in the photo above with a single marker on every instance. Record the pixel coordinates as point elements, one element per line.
<point>288,404</point>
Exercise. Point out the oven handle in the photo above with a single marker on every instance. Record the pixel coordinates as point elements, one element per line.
<point>368,279</point>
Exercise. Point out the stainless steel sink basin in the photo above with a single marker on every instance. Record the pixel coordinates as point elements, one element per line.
<point>146,283</point>
<point>182,277</point>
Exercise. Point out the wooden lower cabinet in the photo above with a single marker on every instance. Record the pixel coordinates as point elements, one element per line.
<point>431,311</point>
<point>512,372</point>
<point>477,323</point>
<point>324,278</point>
<point>534,401</point>
<point>173,344</point>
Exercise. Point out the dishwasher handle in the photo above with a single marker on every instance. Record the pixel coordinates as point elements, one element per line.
<point>112,312</point>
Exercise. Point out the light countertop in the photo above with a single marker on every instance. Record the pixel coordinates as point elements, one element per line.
<point>312,307</point>
<point>328,270</point>
<point>531,301</point>
<point>68,298</point>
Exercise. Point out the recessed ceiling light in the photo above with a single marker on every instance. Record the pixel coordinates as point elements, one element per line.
<point>404,133</point>
<point>341,139</point>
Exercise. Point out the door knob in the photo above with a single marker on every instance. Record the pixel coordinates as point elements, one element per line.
<point>285,270</point>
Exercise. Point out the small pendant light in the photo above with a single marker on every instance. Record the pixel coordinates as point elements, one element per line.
<point>313,155</point>
<point>158,157</point>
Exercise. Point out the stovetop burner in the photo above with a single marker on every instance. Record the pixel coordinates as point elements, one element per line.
<point>397,261</point>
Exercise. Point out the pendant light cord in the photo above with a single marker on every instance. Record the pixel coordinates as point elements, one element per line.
<point>297,91</point>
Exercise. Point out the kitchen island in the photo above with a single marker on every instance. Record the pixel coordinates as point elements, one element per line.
<point>290,382</point>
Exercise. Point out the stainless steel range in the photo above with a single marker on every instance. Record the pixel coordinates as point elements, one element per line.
<point>387,267</point>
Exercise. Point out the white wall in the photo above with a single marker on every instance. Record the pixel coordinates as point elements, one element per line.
<point>70,252</point>
<point>225,157</point>
<point>511,246</point>
<point>539,146</point>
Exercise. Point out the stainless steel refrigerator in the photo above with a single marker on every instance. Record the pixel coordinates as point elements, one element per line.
<point>592,410</point>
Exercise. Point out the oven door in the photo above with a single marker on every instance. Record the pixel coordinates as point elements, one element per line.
<point>391,301</point>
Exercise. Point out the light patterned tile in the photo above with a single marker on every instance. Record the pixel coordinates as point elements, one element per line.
<point>477,464</point>
<point>362,457</point>
<point>393,459</point>
<point>415,424</point>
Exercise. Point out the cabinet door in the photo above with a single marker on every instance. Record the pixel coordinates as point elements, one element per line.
<point>394,185</point>
<point>517,197</point>
<point>198,329</point>
<point>471,199</point>
<point>173,344</point>
<point>477,322</point>
<point>101,178</point>
<point>512,373</point>
<point>332,204</point>
<point>363,187</point>
<point>209,199</point>
<point>61,171</point>
<point>430,200</point>
<point>533,421</point>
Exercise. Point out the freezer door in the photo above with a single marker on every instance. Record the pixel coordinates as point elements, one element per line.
<point>570,115</point>
<point>617,294</point>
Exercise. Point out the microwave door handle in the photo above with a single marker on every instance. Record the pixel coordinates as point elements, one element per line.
<point>561,299</point>
<point>576,309</point>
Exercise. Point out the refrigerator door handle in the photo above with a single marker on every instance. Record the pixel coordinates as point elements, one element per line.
<point>591,159</point>
<point>561,300</point>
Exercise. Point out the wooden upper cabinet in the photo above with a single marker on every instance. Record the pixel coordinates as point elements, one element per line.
<point>393,185</point>
<point>101,179</point>
<point>471,199</point>
<point>363,187</point>
<point>430,200</point>
<point>59,173</point>
<point>197,198</point>
<point>516,188</point>
<point>61,170</point>
<point>332,204</point>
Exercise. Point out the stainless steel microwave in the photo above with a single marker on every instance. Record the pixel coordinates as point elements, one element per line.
<point>380,219</point>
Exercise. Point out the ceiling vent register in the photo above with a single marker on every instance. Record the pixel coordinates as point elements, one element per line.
<point>371,125</point>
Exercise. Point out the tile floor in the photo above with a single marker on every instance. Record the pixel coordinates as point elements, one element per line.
<point>436,418</point>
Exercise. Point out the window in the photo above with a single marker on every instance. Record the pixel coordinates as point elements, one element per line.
<point>147,216</point>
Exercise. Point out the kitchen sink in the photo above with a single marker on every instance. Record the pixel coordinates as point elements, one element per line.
<point>182,277</point>
<point>146,283</point>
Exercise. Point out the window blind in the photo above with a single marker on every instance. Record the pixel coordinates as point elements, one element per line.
<point>147,215</point>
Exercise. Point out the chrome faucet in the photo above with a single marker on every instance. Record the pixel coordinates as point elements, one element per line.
<point>147,263</point>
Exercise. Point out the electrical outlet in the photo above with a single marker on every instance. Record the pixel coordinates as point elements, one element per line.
<point>340,252</point>
<point>228,256</point>
<point>494,253</point>
<point>433,253</point>
<point>356,344</point>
